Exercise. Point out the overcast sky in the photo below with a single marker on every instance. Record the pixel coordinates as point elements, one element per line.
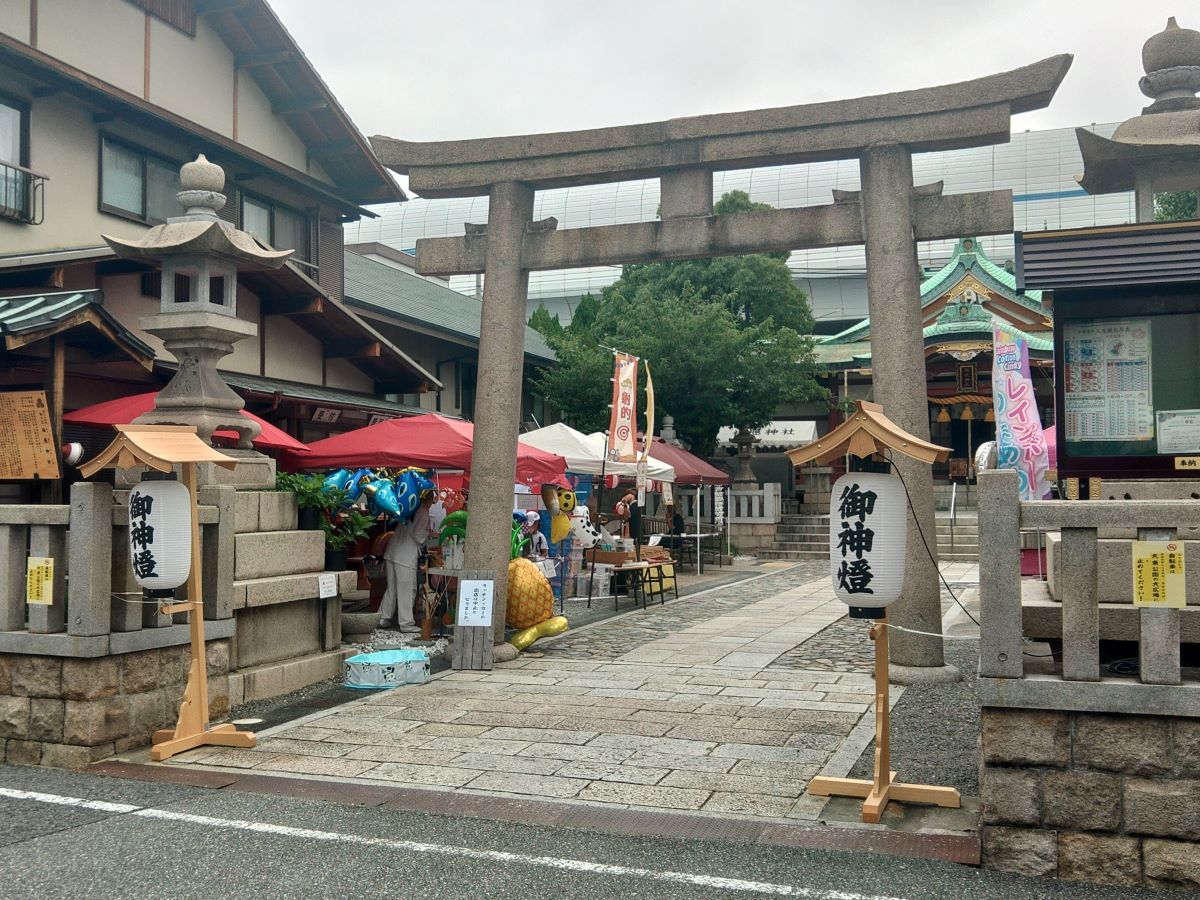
<point>454,69</point>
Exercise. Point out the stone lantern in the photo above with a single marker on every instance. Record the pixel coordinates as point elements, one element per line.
<point>744,478</point>
<point>200,256</point>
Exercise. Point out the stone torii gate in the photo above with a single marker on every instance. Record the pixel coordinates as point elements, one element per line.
<point>889,215</point>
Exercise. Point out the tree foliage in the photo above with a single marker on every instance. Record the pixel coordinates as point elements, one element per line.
<point>1175,206</point>
<point>727,340</point>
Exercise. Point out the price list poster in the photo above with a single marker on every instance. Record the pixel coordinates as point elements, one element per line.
<point>27,446</point>
<point>1107,375</point>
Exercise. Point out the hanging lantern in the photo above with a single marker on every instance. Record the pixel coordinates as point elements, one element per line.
<point>160,534</point>
<point>968,413</point>
<point>943,416</point>
<point>868,536</point>
<point>991,415</point>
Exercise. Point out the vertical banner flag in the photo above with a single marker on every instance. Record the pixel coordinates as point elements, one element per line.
<point>1020,444</point>
<point>622,427</point>
<point>644,462</point>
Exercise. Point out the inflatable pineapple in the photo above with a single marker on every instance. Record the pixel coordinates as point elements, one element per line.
<point>530,597</point>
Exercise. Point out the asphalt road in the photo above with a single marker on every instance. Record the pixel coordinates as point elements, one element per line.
<point>65,834</point>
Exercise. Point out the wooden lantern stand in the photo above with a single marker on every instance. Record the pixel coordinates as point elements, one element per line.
<point>866,433</point>
<point>161,447</point>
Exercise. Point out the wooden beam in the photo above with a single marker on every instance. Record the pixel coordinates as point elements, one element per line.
<point>369,350</point>
<point>333,149</point>
<point>250,59</point>
<point>299,105</point>
<point>209,7</point>
<point>296,306</point>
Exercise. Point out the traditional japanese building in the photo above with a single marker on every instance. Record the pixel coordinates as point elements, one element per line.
<point>962,302</point>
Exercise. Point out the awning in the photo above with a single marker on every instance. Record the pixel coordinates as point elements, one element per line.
<point>780,433</point>
<point>314,393</point>
<point>584,453</point>
<point>689,468</point>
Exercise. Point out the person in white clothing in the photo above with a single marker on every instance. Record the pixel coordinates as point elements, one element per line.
<point>400,557</point>
<point>538,548</point>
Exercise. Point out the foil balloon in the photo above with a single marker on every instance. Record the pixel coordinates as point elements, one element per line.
<point>583,532</point>
<point>566,501</point>
<point>336,481</point>
<point>530,597</point>
<point>552,626</point>
<point>560,527</point>
<point>382,494</point>
<point>550,498</point>
<point>355,485</point>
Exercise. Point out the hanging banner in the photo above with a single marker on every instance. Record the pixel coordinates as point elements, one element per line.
<point>1020,444</point>
<point>622,427</point>
<point>644,462</point>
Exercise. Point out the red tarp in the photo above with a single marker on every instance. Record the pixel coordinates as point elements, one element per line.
<point>689,468</point>
<point>124,410</point>
<point>428,441</point>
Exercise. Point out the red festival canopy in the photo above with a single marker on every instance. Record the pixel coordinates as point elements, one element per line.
<point>428,441</point>
<point>124,410</point>
<point>689,468</point>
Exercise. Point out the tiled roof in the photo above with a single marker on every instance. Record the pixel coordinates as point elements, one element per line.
<point>377,286</point>
<point>63,311</point>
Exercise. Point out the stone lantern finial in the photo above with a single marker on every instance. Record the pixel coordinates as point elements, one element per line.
<point>1171,60</point>
<point>201,183</point>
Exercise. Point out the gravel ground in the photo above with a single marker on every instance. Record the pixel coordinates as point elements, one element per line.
<point>935,729</point>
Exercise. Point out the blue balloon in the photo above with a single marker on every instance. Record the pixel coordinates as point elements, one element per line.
<point>336,481</point>
<point>384,499</point>
<point>354,488</point>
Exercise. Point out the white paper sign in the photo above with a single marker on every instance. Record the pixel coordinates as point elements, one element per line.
<point>1178,430</point>
<point>474,603</point>
<point>327,585</point>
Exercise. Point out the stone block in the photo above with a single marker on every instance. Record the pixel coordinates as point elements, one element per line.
<point>1012,796</point>
<point>1101,858</point>
<point>46,719</point>
<point>37,676</point>
<point>218,698</point>
<point>1162,808</point>
<point>140,671</point>
<point>1169,864</point>
<point>217,655</point>
<point>87,679</point>
<point>263,554</point>
<point>5,674</point>
<point>66,756</point>
<point>1135,745</point>
<point>175,663</point>
<point>147,714</point>
<point>272,633</point>
<point>93,722</point>
<point>245,511</point>
<point>14,717</point>
<point>23,753</point>
<point>1026,737</point>
<point>1021,851</point>
<point>1186,738</point>
<point>1086,801</point>
<point>277,511</point>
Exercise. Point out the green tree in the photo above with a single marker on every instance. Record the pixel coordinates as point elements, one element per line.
<point>1175,206</point>
<point>727,341</point>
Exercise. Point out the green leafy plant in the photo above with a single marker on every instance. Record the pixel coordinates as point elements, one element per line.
<point>310,490</point>
<point>346,529</point>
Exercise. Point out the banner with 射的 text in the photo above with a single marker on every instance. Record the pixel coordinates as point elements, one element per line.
<point>622,428</point>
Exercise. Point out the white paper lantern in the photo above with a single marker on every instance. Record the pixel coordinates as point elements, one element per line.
<point>160,534</point>
<point>868,536</point>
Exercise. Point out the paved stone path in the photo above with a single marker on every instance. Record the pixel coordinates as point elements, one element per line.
<point>701,704</point>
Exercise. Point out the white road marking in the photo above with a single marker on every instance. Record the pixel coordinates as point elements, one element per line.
<point>501,856</point>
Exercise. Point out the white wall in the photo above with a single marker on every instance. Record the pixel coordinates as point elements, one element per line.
<point>192,77</point>
<point>105,38</point>
<point>291,353</point>
<point>14,19</point>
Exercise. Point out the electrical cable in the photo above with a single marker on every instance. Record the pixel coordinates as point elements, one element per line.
<point>941,577</point>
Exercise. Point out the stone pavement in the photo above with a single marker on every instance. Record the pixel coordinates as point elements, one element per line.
<point>703,704</point>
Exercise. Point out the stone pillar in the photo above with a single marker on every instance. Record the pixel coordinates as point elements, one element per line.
<point>498,395</point>
<point>898,363</point>
<point>1143,193</point>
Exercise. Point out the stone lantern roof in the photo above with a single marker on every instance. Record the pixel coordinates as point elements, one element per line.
<point>1161,147</point>
<point>199,232</point>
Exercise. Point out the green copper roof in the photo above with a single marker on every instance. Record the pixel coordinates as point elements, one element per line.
<point>966,258</point>
<point>377,286</point>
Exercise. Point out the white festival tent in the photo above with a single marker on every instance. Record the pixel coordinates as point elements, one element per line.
<point>584,453</point>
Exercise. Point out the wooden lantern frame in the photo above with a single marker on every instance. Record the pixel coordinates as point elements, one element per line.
<point>866,433</point>
<point>162,447</point>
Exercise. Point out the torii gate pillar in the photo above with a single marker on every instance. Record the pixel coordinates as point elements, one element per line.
<point>894,304</point>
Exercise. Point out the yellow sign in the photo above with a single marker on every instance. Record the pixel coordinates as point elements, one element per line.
<point>39,580</point>
<point>1158,574</point>
<point>1187,462</point>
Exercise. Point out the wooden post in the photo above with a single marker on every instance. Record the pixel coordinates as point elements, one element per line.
<point>473,643</point>
<point>52,491</point>
<point>883,787</point>
<point>192,729</point>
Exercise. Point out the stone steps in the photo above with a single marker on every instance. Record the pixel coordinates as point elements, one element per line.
<point>252,592</point>
<point>793,554</point>
<point>264,554</point>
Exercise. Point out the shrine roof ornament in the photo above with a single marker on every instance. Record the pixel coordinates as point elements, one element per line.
<point>159,447</point>
<point>866,433</point>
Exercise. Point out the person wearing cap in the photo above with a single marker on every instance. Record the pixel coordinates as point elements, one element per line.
<point>539,547</point>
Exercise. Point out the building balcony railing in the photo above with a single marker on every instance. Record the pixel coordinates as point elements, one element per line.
<point>21,194</point>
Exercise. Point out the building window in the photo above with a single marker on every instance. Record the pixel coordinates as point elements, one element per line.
<point>20,189</point>
<point>276,226</point>
<point>136,184</point>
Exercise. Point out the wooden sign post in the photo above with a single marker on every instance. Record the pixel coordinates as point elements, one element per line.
<point>161,447</point>
<point>473,620</point>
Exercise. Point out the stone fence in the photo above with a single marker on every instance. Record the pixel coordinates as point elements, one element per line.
<point>98,670</point>
<point>1085,775</point>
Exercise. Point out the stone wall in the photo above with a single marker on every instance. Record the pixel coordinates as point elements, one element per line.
<point>1092,797</point>
<point>750,537</point>
<point>70,712</point>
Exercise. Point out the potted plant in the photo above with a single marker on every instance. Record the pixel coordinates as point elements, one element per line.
<point>342,531</point>
<point>312,499</point>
